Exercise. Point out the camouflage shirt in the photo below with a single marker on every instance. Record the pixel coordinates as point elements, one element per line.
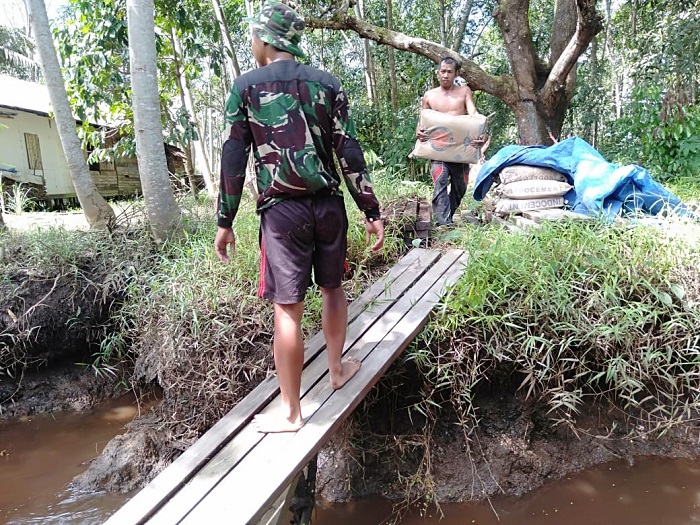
<point>294,116</point>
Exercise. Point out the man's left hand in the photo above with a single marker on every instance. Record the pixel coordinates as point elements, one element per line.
<point>375,228</point>
<point>224,238</point>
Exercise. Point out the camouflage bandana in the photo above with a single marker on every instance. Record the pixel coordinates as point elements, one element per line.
<point>280,26</point>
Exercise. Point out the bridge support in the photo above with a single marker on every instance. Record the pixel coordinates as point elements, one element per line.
<point>296,504</point>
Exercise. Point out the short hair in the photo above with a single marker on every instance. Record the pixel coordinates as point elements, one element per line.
<point>450,60</point>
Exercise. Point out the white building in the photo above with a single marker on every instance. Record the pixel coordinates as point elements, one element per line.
<point>31,151</point>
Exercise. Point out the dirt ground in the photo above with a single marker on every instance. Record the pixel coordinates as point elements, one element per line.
<point>74,220</point>
<point>514,450</point>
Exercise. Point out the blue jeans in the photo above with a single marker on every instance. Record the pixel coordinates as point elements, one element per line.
<point>450,181</point>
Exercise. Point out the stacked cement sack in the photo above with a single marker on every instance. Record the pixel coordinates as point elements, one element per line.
<point>524,188</point>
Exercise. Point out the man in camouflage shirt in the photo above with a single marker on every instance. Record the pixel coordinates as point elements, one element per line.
<point>295,116</point>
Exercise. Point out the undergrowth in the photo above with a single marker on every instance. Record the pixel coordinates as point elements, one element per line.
<point>196,327</point>
<point>575,313</point>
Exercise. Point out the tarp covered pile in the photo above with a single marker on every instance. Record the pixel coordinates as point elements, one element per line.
<point>598,185</point>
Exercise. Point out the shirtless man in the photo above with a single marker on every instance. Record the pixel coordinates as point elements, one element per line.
<point>450,178</point>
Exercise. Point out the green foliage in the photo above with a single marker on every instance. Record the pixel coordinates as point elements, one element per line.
<point>577,311</point>
<point>668,134</point>
<point>386,141</point>
<point>16,54</point>
<point>637,98</point>
<point>86,272</point>
<point>196,326</point>
<point>19,199</point>
<point>93,44</point>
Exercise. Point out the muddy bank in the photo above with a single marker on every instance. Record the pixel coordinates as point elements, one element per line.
<point>68,387</point>
<point>514,450</point>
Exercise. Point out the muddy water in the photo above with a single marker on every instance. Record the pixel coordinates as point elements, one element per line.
<point>39,455</point>
<point>653,492</point>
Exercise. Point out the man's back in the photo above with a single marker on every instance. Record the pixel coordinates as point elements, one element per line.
<point>294,116</point>
<point>287,110</point>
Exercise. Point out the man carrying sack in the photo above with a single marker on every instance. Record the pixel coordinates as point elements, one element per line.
<point>450,149</point>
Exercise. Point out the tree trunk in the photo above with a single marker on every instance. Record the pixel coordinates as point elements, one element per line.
<point>233,69</point>
<point>537,92</point>
<point>188,103</point>
<point>443,23</point>
<point>392,62</point>
<point>590,126</point>
<point>462,26</point>
<point>179,77</point>
<point>162,210</point>
<point>97,212</point>
<point>369,69</point>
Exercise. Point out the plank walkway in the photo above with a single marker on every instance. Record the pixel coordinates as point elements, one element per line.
<point>234,474</point>
<point>532,219</point>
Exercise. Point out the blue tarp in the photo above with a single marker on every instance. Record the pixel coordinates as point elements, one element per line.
<point>599,186</point>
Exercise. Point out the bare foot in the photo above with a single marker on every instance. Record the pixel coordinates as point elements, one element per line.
<point>348,368</point>
<point>273,423</point>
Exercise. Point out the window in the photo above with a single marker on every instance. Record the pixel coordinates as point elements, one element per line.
<point>33,152</point>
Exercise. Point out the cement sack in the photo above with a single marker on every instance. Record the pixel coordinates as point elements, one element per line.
<point>515,205</point>
<point>450,137</point>
<point>533,189</point>
<point>522,172</point>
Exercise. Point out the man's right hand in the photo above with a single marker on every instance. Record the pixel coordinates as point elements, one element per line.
<point>422,135</point>
<point>224,238</point>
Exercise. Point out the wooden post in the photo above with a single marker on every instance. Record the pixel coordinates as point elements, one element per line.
<point>298,499</point>
<point>279,512</point>
<point>2,195</point>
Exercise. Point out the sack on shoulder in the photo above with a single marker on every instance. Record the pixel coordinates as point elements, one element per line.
<point>450,137</point>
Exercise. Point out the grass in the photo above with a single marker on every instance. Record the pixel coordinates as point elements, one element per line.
<point>196,325</point>
<point>575,313</point>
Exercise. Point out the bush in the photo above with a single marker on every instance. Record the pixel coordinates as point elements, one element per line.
<point>578,311</point>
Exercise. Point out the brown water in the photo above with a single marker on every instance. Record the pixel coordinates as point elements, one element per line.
<point>40,455</point>
<point>653,492</point>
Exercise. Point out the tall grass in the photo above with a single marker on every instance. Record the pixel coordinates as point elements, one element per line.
<point>575,312</point>
<point>56,288</point>
<point>196,326</point>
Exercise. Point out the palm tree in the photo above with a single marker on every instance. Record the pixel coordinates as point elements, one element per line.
<point>16,52</point>
<point>97,212</point>
<point>162,210</point>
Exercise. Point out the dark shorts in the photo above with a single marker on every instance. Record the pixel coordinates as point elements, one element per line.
<point>297,235</point>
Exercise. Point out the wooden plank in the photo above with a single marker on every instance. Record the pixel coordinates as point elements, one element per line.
<point>524,223</point>
<point>278,511</point>
<point>553,214</point>
<point>508,225</point>
<point>263,474</point>
<point>534,215</point>
<point>573,215</point>
<point>248,438</point>
<point>153,496</point>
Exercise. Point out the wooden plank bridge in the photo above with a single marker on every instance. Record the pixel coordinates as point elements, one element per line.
<point>234,474</point>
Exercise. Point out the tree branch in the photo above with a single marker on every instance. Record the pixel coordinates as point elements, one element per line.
<point>499,86</point>
<point>512,19</point>
<point>462,26</point>
<point>589,24</point>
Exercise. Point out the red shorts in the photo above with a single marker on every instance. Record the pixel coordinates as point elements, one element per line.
<point>297,235</point>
